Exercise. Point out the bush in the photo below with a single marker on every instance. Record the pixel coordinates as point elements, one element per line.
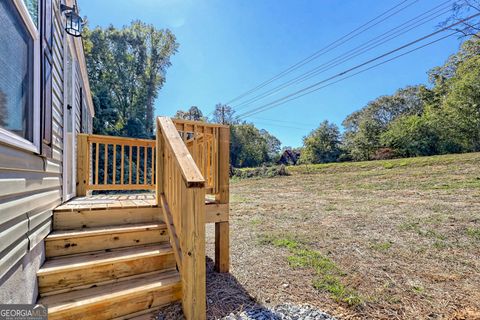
<point>384,154</point>
<point>264,172</point>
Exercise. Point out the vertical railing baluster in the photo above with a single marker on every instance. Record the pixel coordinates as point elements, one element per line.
<point>114,164</point>
<point>105,167</point>
<point>97,151</point>
<point>122,164</point>
<point>130,164</point>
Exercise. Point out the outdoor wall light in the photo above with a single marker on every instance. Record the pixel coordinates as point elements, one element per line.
<point>74,23</point>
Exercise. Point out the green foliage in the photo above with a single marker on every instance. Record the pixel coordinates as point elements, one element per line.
<point>363,128</point>
<point>411,136</point>
<point>474,233</point>
<point>194,113</point>
<point>322,145</point>
<point>251,147</point>
<point>421,121</point>
<point>260,172</point>
<point>126,69</point>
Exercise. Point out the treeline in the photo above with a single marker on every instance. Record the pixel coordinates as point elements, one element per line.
<point>421,120</point>
<point>249,146</point>
<point>415,121</point>
<point>126,69</point>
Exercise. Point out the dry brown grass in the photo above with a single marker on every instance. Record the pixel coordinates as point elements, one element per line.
<point>404,233</point>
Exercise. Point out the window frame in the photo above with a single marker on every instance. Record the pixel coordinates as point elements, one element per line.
<point>6,136</point>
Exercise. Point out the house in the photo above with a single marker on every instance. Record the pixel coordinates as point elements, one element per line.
<point>44,102</point>
<point>289,157</point>
<point>66,244</point>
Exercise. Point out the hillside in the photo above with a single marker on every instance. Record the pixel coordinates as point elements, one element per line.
<point>380,239</point>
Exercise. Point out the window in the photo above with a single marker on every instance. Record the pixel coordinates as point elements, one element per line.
<point>32,7</point>
<point>18,86</point>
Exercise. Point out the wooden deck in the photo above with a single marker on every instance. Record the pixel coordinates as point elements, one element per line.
<point>215,212</point>
<point>106,201</point>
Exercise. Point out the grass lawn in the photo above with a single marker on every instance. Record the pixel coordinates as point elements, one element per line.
<point>380,239</point>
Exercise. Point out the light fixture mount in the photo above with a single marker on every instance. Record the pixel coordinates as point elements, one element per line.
<point>73,23</point>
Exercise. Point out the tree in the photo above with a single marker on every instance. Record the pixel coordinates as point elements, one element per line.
<point>461,10</point>
<point>363,128</point>
<point>251,147</point>
<point>224,114</point>
<point>462,104</point>
<point>194,113</point>
<point>412,136</point>
<point>273,145</point>
<point>322,144</point>
<point>126,69</point>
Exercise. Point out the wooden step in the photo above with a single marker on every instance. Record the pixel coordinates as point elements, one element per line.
<point>61,243</point>
<point>85,218</point>
<point>117,299</point>
<point>82,271</point>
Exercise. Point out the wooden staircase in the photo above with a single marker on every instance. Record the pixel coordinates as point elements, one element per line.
<point>116,271</point>
<point>112,256</point>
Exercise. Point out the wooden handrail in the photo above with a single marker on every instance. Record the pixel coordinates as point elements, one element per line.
<point>203,142</point>
<point>100,157</point>
<point>190,172</point>
<point>181,195</point>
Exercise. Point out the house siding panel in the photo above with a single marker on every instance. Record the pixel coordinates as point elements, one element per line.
<point>31,187</point>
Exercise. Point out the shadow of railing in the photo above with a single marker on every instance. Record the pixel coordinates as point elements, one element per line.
<point>225,296</point>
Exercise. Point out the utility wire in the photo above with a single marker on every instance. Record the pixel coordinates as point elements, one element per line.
<point>253,111</point>
<point>359,50</point>
<point>280,125</point>
<point>284,121</point>
<point>347,77</point>
<point>329,47</point>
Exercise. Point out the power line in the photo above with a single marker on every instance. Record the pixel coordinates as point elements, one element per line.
<point>253,111</point>
<point>279,125</point>
<point>347,77</point>
<point>349,55</point>
<point>329,47</point>
<point>284,121</point>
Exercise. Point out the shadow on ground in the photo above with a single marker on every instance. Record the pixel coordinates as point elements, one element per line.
<point>225,296</point>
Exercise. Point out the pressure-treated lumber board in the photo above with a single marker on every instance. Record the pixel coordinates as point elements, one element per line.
<point>193,254</point>
<point>222,235</point>
<point>115,300</point>
<point>148,314</point>
<point>60,243</point>
<point>216,212</point>
<point>64,220</point>
<point>83,157</point>
<point>190,172</point>
<point>222,245</point>
<point>64,274</point>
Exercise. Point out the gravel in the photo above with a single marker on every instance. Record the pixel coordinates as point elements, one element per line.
<point>281,312</point>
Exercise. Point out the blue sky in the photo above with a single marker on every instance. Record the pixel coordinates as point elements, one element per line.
<point>229,47</point>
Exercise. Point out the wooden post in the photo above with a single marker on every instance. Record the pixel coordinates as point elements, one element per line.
<point>193,253</point>
<point>222,232</point>
<point>159,165</point>
<point>83,158</point>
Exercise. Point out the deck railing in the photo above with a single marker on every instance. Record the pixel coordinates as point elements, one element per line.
<point>114,163</point>
<point>181,192</point>
<point>209,145</point>
<point>203,142</point>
